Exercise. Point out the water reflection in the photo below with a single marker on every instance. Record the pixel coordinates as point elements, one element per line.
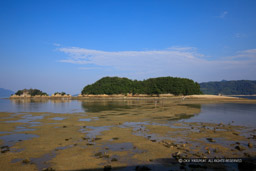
<point>40,105</point>
<point>98,106</point>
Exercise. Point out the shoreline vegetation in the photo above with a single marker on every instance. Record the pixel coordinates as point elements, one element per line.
<point>124,88</point>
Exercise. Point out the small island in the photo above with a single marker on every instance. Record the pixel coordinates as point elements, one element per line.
<point>161,86</point>
<point>29,93</point>
<point>35,93</point>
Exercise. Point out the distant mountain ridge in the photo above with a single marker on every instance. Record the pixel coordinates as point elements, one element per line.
<point>237,87</point>
<point>5,92</point>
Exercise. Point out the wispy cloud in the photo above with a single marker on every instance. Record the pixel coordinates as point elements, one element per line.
<point>174,61</point>
<point>223,14</point>
<point>56,44</point>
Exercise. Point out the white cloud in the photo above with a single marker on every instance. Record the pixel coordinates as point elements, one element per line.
<point>174,61</point>
<point>223,14</point>
<point>56,44</point>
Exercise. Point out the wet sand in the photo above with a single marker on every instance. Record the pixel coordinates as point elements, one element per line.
<point>142,135</point>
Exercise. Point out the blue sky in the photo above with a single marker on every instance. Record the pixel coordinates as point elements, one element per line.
<point>63,45</point>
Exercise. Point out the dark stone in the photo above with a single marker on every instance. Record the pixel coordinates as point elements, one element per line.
<point>96,139</point>
<point>235,133</point>
<point>84,138</point>
<point>64,126</point>
<point>5,149</point>
<point>115,138</point>
<point>176,155</point>
<point>114,159</point>
<point>210,140</point>
<point>153,140</point>
<point>26,161</point>
<point>66,139</point>
<point>247,155</point>
<point>104,156</point>
<point>89,144</point>
<point>239,148</point>
<point>107,168</point>
<point>215,150</point>
<point>48,169</point>
<point>98,154</point>
<point>250,145</point>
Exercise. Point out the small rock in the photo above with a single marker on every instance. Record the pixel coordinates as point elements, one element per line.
<point>89,144</point>
<point>26,161</point>
<point>240,148</point>
<point>114,159</point>
<point>250,145</point>
<point>98,154</point>
<point>247,155</point>
<point>210,140</point>
<point>153,140</point>
<point>48,169</point>
<point>66,139</point>
<point>235,133</point>
<point>176,155</point>
<point>64,126</point>
<point>5,149</point>
<point>107,168</point>
<point>84,126</point>
<point>115,138</point>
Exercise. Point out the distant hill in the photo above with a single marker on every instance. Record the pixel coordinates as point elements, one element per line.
<point>5,93</point>
<point>239,87</point>
<point>160,85</point>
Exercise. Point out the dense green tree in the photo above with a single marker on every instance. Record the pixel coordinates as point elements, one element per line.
<point>160,85</point>
<point>240,87</point>
<point>31,91</point>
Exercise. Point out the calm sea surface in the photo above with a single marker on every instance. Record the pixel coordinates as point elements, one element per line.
<point>240,114</point>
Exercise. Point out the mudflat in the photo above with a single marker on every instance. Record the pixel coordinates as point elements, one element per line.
<point>141,135</point>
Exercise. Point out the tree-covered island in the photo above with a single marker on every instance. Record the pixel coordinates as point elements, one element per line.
<point>151,86</point>
<point>30,92</point>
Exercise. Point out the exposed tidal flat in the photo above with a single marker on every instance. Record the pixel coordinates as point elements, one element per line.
<point>125,134</point>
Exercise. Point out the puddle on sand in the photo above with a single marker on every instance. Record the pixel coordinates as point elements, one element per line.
<point>22,129</point>
<point>94,131</point>
<point>16,160</point>
<point>57,118</point>
<point>10,140</point>
<point>27,119</point>
<point>87,120</point>
<point>127,146</point>
<point>42,162</point>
